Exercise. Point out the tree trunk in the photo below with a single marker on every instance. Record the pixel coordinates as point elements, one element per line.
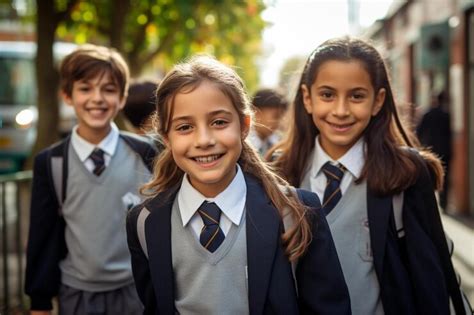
<point>119,11</point>
<point>46,76</point>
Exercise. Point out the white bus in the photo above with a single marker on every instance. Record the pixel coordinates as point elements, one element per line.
<point>18,111</point>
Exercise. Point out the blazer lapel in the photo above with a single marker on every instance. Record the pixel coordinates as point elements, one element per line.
<point>378,211</point>
<point>263,232</point>
<point>158,236</point>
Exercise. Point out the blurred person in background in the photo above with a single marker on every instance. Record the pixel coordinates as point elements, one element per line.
<point>434,132</point>
<point>140,109</point>
<point>269,106</point>
<point>140,105</point>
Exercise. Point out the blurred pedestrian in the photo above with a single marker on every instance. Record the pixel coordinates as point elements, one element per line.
<point>347,144</point>
<point>82,189</point>
<point>140,105</point>
<point>210,240</point>
<point>270,106</point>
<point>140,109</point>
<point>434,132</point>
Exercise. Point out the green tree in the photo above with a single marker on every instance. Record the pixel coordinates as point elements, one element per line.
<point>151,34</point>
<point>159,33</point>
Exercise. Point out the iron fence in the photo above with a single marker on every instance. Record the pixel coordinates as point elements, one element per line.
<point>15,198</point>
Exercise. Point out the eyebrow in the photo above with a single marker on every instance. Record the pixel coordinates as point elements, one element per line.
<point>210,114</point>
<point>331,88</point>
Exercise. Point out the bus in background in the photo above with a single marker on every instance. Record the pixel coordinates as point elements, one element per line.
<point>18,110</point>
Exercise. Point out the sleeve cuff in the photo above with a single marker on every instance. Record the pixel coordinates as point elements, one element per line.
<point>41,304</point>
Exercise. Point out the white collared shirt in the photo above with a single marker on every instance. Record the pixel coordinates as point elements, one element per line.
<point>353,161</point>
<point>84,148</point>
<point>231,202</point>
<point>262,145</point>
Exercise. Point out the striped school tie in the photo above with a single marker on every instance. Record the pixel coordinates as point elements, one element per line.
<point>332,193</point>
<point>97,156</point>
<point>211,234</point>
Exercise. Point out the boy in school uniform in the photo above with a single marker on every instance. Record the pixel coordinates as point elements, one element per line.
<point>77,248</point>
<point>270,107</point>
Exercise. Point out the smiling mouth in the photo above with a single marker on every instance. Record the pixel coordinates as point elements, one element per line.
<point>340,126</point>
<point>95,110</point>
<point>208,158</point>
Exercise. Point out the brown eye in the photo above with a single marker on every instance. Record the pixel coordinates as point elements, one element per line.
<point>219,122</point>
<point>326,95</point>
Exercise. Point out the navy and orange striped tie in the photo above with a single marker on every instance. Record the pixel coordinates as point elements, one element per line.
<point>211,234</point>
<point>332,193</point>
<point>97,156</point>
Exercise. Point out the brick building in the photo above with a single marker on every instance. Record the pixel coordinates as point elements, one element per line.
<point>429,46</point>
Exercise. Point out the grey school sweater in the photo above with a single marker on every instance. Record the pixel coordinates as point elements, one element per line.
<point>95,210</point>
<point>209,283</point>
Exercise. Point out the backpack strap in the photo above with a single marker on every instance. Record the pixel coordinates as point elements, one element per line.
<point>144,212</point>
<point>457,297</point>
<point>143,148</point>
<point>57,170</point>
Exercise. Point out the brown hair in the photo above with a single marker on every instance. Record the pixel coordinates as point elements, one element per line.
<point>184,78</point>
<point>269,98</point>
<point>390,168</point>
<point>89,61</point>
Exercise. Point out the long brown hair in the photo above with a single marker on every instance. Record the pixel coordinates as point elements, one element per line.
<point>390,168</point>
<point>184,78</point>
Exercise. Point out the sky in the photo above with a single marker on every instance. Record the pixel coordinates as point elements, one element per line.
<point>299,26</point>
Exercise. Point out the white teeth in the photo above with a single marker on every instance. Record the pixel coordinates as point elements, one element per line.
<point>207,159</point>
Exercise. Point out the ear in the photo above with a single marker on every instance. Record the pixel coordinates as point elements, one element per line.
<point>378,102</point>
<point>122,103</point>
<point>166,141</point>
<point>246,126</point>
<point>307,99</point>
<point>66,98</point>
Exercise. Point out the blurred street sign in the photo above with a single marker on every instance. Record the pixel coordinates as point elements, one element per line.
<point>434,54</point>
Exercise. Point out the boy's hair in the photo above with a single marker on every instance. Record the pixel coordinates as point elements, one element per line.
<point>389,168</point>
<point>186,77</point>
<point>140,102</point>
<point>89,61</point>
<point>269,98</point>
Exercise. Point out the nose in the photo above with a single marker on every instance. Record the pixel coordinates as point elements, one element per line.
<point>341,107</point>
<point>97,96</point>
<point>204,138</point>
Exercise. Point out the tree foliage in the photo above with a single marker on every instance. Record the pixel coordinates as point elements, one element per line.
<point>155,34</point>
<point>151,34</point>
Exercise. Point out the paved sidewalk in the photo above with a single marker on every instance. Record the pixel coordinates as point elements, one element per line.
<point>463,257</point>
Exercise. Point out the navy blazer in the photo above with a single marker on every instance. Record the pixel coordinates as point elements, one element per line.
<point>415,272</point>
<point>271,287</point>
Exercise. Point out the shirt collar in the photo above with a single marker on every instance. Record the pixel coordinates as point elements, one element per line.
<point>257,142</point>
<point>231,201</point>
<point>353,160</point>
<point>85,148</point>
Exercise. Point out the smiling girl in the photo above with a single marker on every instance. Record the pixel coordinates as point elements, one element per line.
<point>346,143</point>
<point>215,238</point>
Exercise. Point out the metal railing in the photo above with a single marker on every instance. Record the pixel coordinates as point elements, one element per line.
<point>15,198</point>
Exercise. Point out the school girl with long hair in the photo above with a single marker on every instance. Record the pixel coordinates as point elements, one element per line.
<point>347,144</point>
<point>221,229</point>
